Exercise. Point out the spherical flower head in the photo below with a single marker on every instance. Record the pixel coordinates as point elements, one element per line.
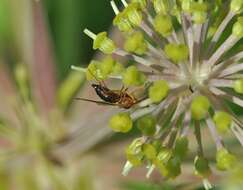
<point>163,25</point>
<point>176,53</point>
<point>187,68</point>
<point>121,122</point>
<point>222,121</point>
<point>147,125</point>
<point>238,28</point>
<point>238,86</point>
<point>133,77</point>
<point>158,91</point>
<point>199,107</point>
<point>236,6</point>
<point>136,43</point>
<point>225,160</point>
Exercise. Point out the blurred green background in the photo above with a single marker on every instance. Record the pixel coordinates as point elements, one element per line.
<point>46,141</point>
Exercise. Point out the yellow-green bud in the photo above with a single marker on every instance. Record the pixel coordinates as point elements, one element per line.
<point>199,107</point>
<point>225,160</point>
<point>199,17</point>
<point>93,72</point>
<point>158,91</point>
<point>133,77</point>
<point>160,6</point>
<point>161,160</point>
<point>134,152</point>
<point>163,24</point>
<point>238,86</point>
<point>186,5</point>
<point>149,151</point>
<point>118,69</point>
<point>107,66</point>
<point>201,7</point>
<point>142,3</point>
<point>103,43</point>
<point>147,125</point>
<point>121,122</point>
<point>173,167</point>
<point>236,6</point>
<point>133,14</point>
<point>238,28</point>
<point>136,43</point>
<point>122,22</point>
<point>177,53</point>
<point>202,167</point>
<point>222,121</point>
<point>181,147</point>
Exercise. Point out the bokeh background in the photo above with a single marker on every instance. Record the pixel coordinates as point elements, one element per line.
<point>48,141</point>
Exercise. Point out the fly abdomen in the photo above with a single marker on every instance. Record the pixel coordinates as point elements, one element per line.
<point>106,94</point>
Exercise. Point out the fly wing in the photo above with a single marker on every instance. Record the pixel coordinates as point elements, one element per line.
<point>97,102</point>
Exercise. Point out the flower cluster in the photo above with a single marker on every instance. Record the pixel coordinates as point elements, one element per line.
<point>180,54</point>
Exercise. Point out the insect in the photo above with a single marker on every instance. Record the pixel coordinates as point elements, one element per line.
<point>120,98</point>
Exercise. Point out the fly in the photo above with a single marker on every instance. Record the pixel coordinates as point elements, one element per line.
<point>120,98</point>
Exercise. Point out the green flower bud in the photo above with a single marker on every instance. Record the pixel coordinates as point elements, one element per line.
<point>163,25</point>
<point>181,147</point>
<point>238,86</point>
<point>158,91</point>
<point>225,160</point>
<point>160,6</point>
<point>202,167</point>
<point>103,43</point>
<point>142,3</point>
<point>236,6</point>
<point>157,145</point>
<point>186,5</point>
<point>199,107</point>
<point>121,122</point>
<point>161,160</point>
<point>122,22</point>
<point>149,151</point>
<point>173,167</point>
<point>133,14</point>
<point>147,125</point>
<point>199,17</point>
<point>93,72</point>
<point>118,69</point>
<point>238,28</point>
<point>199,7</point>
<point>177,53</point>
<point>134,152</point>
<point>164,155</point>
<point>222,121</point>
<point>136,43</point>
<point>132,76</point>
<point>107,66</point>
